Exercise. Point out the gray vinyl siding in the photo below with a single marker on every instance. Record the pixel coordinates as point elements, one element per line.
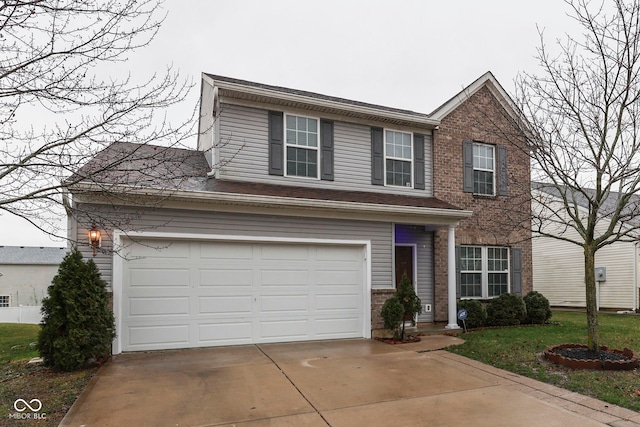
<point>424,269</point>
<point>244,154</point>
<point>235,224</point>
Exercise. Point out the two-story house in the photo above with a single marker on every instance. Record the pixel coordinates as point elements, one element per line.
<point>298,213</point>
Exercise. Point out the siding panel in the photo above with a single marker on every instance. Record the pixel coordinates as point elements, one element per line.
<point>244,153</point>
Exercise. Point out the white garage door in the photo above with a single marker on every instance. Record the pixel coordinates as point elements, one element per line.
<point>202,293</point>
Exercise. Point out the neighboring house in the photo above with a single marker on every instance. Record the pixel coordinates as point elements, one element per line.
<point>299,212</point>
<point>558,266</point>
<point>26,273</point>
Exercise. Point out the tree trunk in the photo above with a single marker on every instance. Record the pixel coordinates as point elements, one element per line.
<point>591,294</point>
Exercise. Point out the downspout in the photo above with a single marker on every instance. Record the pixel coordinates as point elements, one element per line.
<point>635,276</point>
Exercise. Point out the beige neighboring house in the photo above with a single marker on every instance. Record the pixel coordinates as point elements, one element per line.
<point>27,272</point>
<point>558,266</point>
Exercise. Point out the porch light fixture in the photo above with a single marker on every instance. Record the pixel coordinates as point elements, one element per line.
<point>94,238</point>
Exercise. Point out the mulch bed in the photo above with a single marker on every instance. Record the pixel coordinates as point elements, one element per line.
<point>578,356</point>
<point>407,340</point>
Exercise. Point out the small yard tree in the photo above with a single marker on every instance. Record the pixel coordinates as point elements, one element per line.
<point>402,307</point>
<point>77,324</point>
<point>583,114</point>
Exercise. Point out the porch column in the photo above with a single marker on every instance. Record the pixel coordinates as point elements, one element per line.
<point>451,279</point>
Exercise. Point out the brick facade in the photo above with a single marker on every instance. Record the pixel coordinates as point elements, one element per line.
<point>499,220</point>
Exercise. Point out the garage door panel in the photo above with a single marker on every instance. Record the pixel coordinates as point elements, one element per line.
<point>159,277</point>
<point>225,305</point>
<point>226,251</point>
<point>159,249</point>
<point>282,277</point>
<point>276,252</point>
<point>344,302</point>
<point>284,303</point>
<point>225,333</point>
<point>226,293</point>
<point>158,335</point>
<point>226,277</point>
<point>155,306</point>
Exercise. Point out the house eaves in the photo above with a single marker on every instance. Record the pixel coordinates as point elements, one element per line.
<point>286,205</point>
<point>280,96</point>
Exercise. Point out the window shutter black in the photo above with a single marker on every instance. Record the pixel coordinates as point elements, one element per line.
<point>276,143</point>
<point>326,148</point>
<point>502,170</point>
<point>516,285</point>
<point>467,159</point>
<point>418,161</point>
<point>458,274</point>
<point>377,156</point>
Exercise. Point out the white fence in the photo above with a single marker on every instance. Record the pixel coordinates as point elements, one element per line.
<point>22,314</point>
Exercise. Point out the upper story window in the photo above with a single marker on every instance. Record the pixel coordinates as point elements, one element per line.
<point>484,271</point>
<point>398,158</point>
<point>5,300</point>
<point>484,169</point>
<point>301,146</point>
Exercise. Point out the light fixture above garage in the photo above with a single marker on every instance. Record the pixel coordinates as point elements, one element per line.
<point>94,238</point>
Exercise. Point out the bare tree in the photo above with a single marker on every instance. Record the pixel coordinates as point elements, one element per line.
<point>60,105</point>
<point>584,111</point>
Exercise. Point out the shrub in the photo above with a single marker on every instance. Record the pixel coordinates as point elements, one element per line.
<point>538,309</point>
<point>392,314</point>
<point>476,317</point>
<point>77,323</point>
<point>506,310</point>
<point>410,303</point>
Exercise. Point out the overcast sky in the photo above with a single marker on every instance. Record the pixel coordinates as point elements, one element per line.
<point>413,55</point>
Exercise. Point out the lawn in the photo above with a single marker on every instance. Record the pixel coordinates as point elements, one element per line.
<point>519,350</point>
<point>19,380</point>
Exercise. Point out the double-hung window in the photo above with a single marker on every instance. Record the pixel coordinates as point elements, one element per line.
<point>399,157</point>
<point>484,271</point>
<point>301,142</point>
<point>484,169</point>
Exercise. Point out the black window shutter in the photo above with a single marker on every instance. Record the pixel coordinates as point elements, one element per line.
<point>502,170</point>
<point>458,274</point>
<point>516,254</point>
<point>418,161</point>
<point>467,158</point>
<point>377,156</point>
<point>326,148</point>
<point>276,143</point>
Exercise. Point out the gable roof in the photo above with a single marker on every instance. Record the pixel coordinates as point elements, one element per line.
<point>487,80</point>
<point>31,255</point>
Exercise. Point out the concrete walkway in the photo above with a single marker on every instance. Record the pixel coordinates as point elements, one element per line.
<point>327,383</point>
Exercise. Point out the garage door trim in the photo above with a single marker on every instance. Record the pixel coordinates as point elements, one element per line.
<point>118,266</point>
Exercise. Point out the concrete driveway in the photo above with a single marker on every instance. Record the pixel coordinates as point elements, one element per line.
<point>327,383</point>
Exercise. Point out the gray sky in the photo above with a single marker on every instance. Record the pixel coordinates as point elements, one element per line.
<point>407,54</point>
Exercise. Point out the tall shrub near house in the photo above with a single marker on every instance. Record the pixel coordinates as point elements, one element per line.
<point>77,323</point>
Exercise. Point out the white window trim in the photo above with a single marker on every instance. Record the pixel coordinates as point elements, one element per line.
<point>8,299</point>
<point>484,281</point>
<point>493,171</point>
<point>410,160</point>
<point>286,146</point>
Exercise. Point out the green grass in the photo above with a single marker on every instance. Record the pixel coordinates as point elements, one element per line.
<point>17,341</point>
<point>519,350</point>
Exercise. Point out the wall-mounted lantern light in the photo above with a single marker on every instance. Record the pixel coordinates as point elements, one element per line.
<point>94,238</point>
